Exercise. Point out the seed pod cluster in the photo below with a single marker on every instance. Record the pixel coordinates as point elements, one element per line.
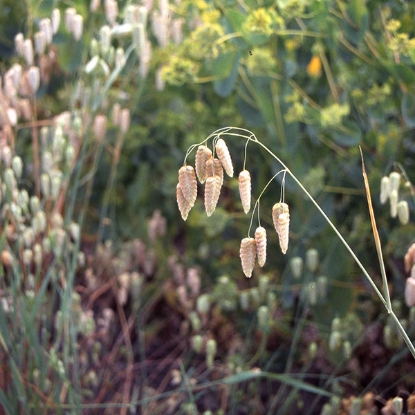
<point>281,220</point>
<point>389,189</point>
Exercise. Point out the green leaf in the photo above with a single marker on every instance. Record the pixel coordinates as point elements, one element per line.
<point>349,135</point>
<point>235,18</point>
<point>226,66</point>
<point>408,110</point>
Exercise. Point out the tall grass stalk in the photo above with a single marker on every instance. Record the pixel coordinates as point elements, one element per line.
<point>384,298</point>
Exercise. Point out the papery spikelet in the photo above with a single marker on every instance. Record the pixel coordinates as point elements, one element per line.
<point>245,189</point>
<point>409,258</point>
<point>247,253</point>
<point>184,206</point>
<point>212,191</point>
<point>224,156</point>
<point>203,154</point>
<point>281,220</point>
<point>218,169</point>
<point>284,231</point>
<point>188,183</point>
<point>261,245</point>
<point>410,292</point>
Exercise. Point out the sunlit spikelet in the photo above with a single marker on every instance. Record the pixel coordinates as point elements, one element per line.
<point>261,245</point>
<point>281,220</point>
<point>188,183</point>
<point>203,154</point>
<point>184,206</point>
<point>218,169</point>
<point>224,156</point>
<point>245,189</point>
<point>212,191</point>
<point>247,253</point>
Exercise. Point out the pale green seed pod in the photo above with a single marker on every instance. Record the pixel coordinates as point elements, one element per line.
<point>34,204</point>
<point>28,237</point>
<point>46,245</point>
<point>55,20</point>
<point>311,259</point>
<point>397,405</point>
<point>69,154</point>
<point>33,77</point>
<point>263,286</point>
<point>312,294</point>
<point>203,304</point>
<point>393,199</point>
<point>312,350</point>
<point>394,181</point>
<point>9,180</point>
<point>347,349</point>
<point>75,231</point>
<point>17,166</point>
<point>263,317</point>
<point>37,254</point>
<point>355,406</point>
<point>296,265</point>
<point>271,299</point>
<point>322,287</point>
<point>197,343</point>
<point>336,324</point>
<point>55,184</point>
<point>335,341</point>
<point>139,38</point>
<point>211,349</point>
<point>244,300</point>
<point>403,212</point>
<point>384,189</point>
<point>195,321</point>
<point>27,257</point>
<point>77,27</point>
<point>119,58</point>
<point>388,336</point>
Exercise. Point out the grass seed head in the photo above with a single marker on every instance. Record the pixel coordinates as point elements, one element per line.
<point>203,154</point>
<point>261,245</point>
<point>247,253</point>
<point>188,183</point>
<point>403,212</point>
<point>224,156</point>
<point>245,189</point>
<point>184,205</point>
<point>281,220</point>
<point>212,192</point>
<point>410,292</point>
<point>384,189</point>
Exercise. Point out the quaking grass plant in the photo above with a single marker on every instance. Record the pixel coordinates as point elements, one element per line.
<point>209,169</point>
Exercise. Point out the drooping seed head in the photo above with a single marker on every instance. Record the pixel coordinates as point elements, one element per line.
<point>203,154</point>
<point>212,192</point>
<point>245,189</point>
<point>188,183</point>
<point>183,204</point>
<point>247,252</point>
<point>403,212</point>
<point>224,156</point>
<point>261,245</point>
<point>281,220</point>
<point>410,292</point>
<point>384,189</point>
<point>393,199</point>
<point>409,258</point>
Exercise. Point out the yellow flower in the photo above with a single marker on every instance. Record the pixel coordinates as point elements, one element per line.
<point>314,67</point>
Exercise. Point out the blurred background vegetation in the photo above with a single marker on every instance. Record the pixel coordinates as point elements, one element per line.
<point>134,310</point>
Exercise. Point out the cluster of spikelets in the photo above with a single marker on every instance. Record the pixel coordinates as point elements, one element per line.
<point>209,170</point>
<point>389,190</point>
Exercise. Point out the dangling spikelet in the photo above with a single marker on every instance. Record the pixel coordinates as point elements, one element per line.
<point>218,169</point>
<point>184,206</point>
<point>202,155</point>
<point>188,184</point>
<point>245,189</point>
<point>212,191</point>
<point>281,220</point>
<point>224,156</point>
<point>247,253</point>
<point>261,245</point>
